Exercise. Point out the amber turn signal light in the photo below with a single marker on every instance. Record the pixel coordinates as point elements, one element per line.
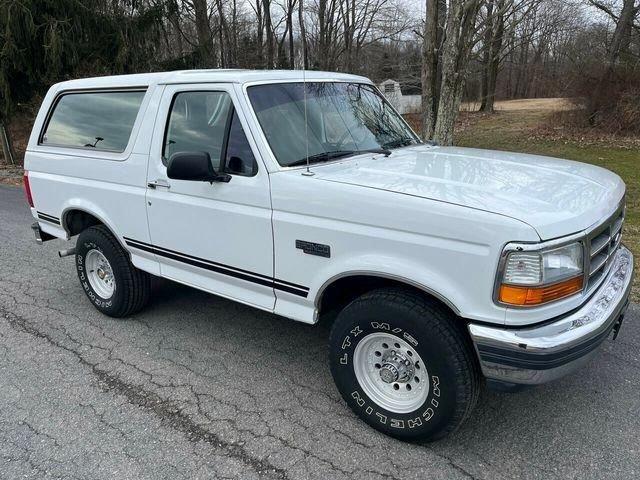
<point>526,296</point>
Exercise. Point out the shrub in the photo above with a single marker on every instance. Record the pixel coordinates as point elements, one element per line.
<point>612,106</point>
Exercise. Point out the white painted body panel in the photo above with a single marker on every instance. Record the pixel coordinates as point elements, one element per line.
<point>229,223</point>
<point>437,218</point>
<point>450,251</point>
<point>110,186</point>
<point>556,197</point>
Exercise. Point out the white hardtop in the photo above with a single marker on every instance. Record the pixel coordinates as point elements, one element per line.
<point>206,76</point>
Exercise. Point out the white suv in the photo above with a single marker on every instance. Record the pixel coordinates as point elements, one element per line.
<point>311,197</point>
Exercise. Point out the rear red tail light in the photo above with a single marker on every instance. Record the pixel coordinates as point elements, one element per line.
<point>27,188</point>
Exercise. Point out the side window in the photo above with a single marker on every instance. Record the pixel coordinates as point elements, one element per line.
<point>201,122</point>
<point>239,159</point>
<point>93,120</point>
<point>197,123</point>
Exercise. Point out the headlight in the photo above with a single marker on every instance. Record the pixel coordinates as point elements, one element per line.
<point>535,277</point>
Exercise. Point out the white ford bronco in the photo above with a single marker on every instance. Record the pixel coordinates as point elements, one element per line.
<point>310,197</point>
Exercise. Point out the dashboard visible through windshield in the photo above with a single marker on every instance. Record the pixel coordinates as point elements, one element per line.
<point>342,119</point>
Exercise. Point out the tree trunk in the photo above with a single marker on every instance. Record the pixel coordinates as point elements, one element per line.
<point>523,68</point>
<point>290,8</point>
<point>260,32</point>
<point>622,31</point>
<point>203,31</point>
<point>623,27</point>
<point>442,21</point>
<point>536,67</point>
<point>493,64</point>
<point>446,117</point>
<point>429,69</point>
<point>173,15</point>
<point>7,150</point>
<point>322,34</point>
<point>492,80</point>
<point>348,13</point>
<point>233,40</point>
<point>222,34</point>
<point>486,56</point>
<point>303,35</point>
<point>269,28</point>
<point>455,57</point>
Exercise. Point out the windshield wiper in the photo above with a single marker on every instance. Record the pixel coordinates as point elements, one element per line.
<point>401,142</point>
<point>320,157</point>
<point>326,156</point>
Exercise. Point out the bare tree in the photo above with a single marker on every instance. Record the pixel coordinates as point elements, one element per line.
<point>268,25</point>
<point>327,25</point>
<point>430,79</point>
<point>291,7</point>
<point>303,35</point>
<point>473,48</point>
<point>501,21</point>
<point>619,44</point>
<point>259,24</point>
<point>203,29</point>
<point>459,40</point>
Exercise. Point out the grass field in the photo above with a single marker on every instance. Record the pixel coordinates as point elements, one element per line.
<point>525,126</point>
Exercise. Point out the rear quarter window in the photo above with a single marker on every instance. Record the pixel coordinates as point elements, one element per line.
<point>93,120</point>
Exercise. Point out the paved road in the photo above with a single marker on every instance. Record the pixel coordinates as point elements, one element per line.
<point>200,387</point>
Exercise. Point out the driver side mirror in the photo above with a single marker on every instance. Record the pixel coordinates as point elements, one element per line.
<point>194,166</point>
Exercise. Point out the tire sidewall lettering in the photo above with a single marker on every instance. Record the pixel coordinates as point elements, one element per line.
<point>85,247</point>
<point>397,421</point>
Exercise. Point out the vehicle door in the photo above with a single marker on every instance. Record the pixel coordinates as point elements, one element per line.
<point>215,236</point>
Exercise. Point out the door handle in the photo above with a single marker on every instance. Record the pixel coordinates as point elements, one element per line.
<point>159,183</point>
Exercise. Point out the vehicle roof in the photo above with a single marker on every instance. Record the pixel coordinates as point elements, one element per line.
<point>206,76</point>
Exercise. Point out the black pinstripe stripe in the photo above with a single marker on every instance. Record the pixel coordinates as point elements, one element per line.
<point>221,268</point>
<point>48,218</point>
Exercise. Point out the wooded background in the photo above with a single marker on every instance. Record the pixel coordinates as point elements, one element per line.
<point>449,51</point>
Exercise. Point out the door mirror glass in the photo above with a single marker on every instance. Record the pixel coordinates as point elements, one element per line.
<point>194,166</point>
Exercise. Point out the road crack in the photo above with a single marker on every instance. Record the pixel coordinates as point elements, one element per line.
<point>169,414</point>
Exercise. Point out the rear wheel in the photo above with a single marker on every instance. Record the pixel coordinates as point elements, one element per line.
<point>111,282</point>
<point>402,365</point>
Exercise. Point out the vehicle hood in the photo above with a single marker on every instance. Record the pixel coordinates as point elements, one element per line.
<point>556,197</point>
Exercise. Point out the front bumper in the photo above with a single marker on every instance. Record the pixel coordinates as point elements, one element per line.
<point>540,354</point>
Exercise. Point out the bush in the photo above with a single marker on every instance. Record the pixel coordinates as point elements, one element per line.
<point>612,106</point>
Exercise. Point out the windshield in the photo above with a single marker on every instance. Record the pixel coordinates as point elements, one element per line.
<point>342,119</point>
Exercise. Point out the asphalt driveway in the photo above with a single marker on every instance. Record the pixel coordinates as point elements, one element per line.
<point>200,387</point>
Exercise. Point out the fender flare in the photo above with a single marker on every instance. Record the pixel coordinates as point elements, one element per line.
<point>73,205</point>
<point>389,276</point>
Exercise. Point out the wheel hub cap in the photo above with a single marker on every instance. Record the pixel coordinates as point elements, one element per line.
<point>100,274</point>
<point>391,372</point>
<point>396,368</point>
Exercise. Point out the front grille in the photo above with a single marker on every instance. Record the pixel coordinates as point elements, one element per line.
<point>601,245</point>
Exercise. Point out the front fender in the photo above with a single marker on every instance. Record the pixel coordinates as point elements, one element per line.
<point>393,269</point>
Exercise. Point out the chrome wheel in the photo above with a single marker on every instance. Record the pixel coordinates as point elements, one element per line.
<point>391,373</point>
<point>100,274</point>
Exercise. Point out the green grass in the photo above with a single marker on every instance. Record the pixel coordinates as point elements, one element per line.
<point>516,131</point>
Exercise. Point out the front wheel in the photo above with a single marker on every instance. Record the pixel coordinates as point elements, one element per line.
<point>112,283</point>
<point>402,365</point>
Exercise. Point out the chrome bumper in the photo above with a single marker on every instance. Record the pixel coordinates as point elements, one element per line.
<point>544,353</point>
